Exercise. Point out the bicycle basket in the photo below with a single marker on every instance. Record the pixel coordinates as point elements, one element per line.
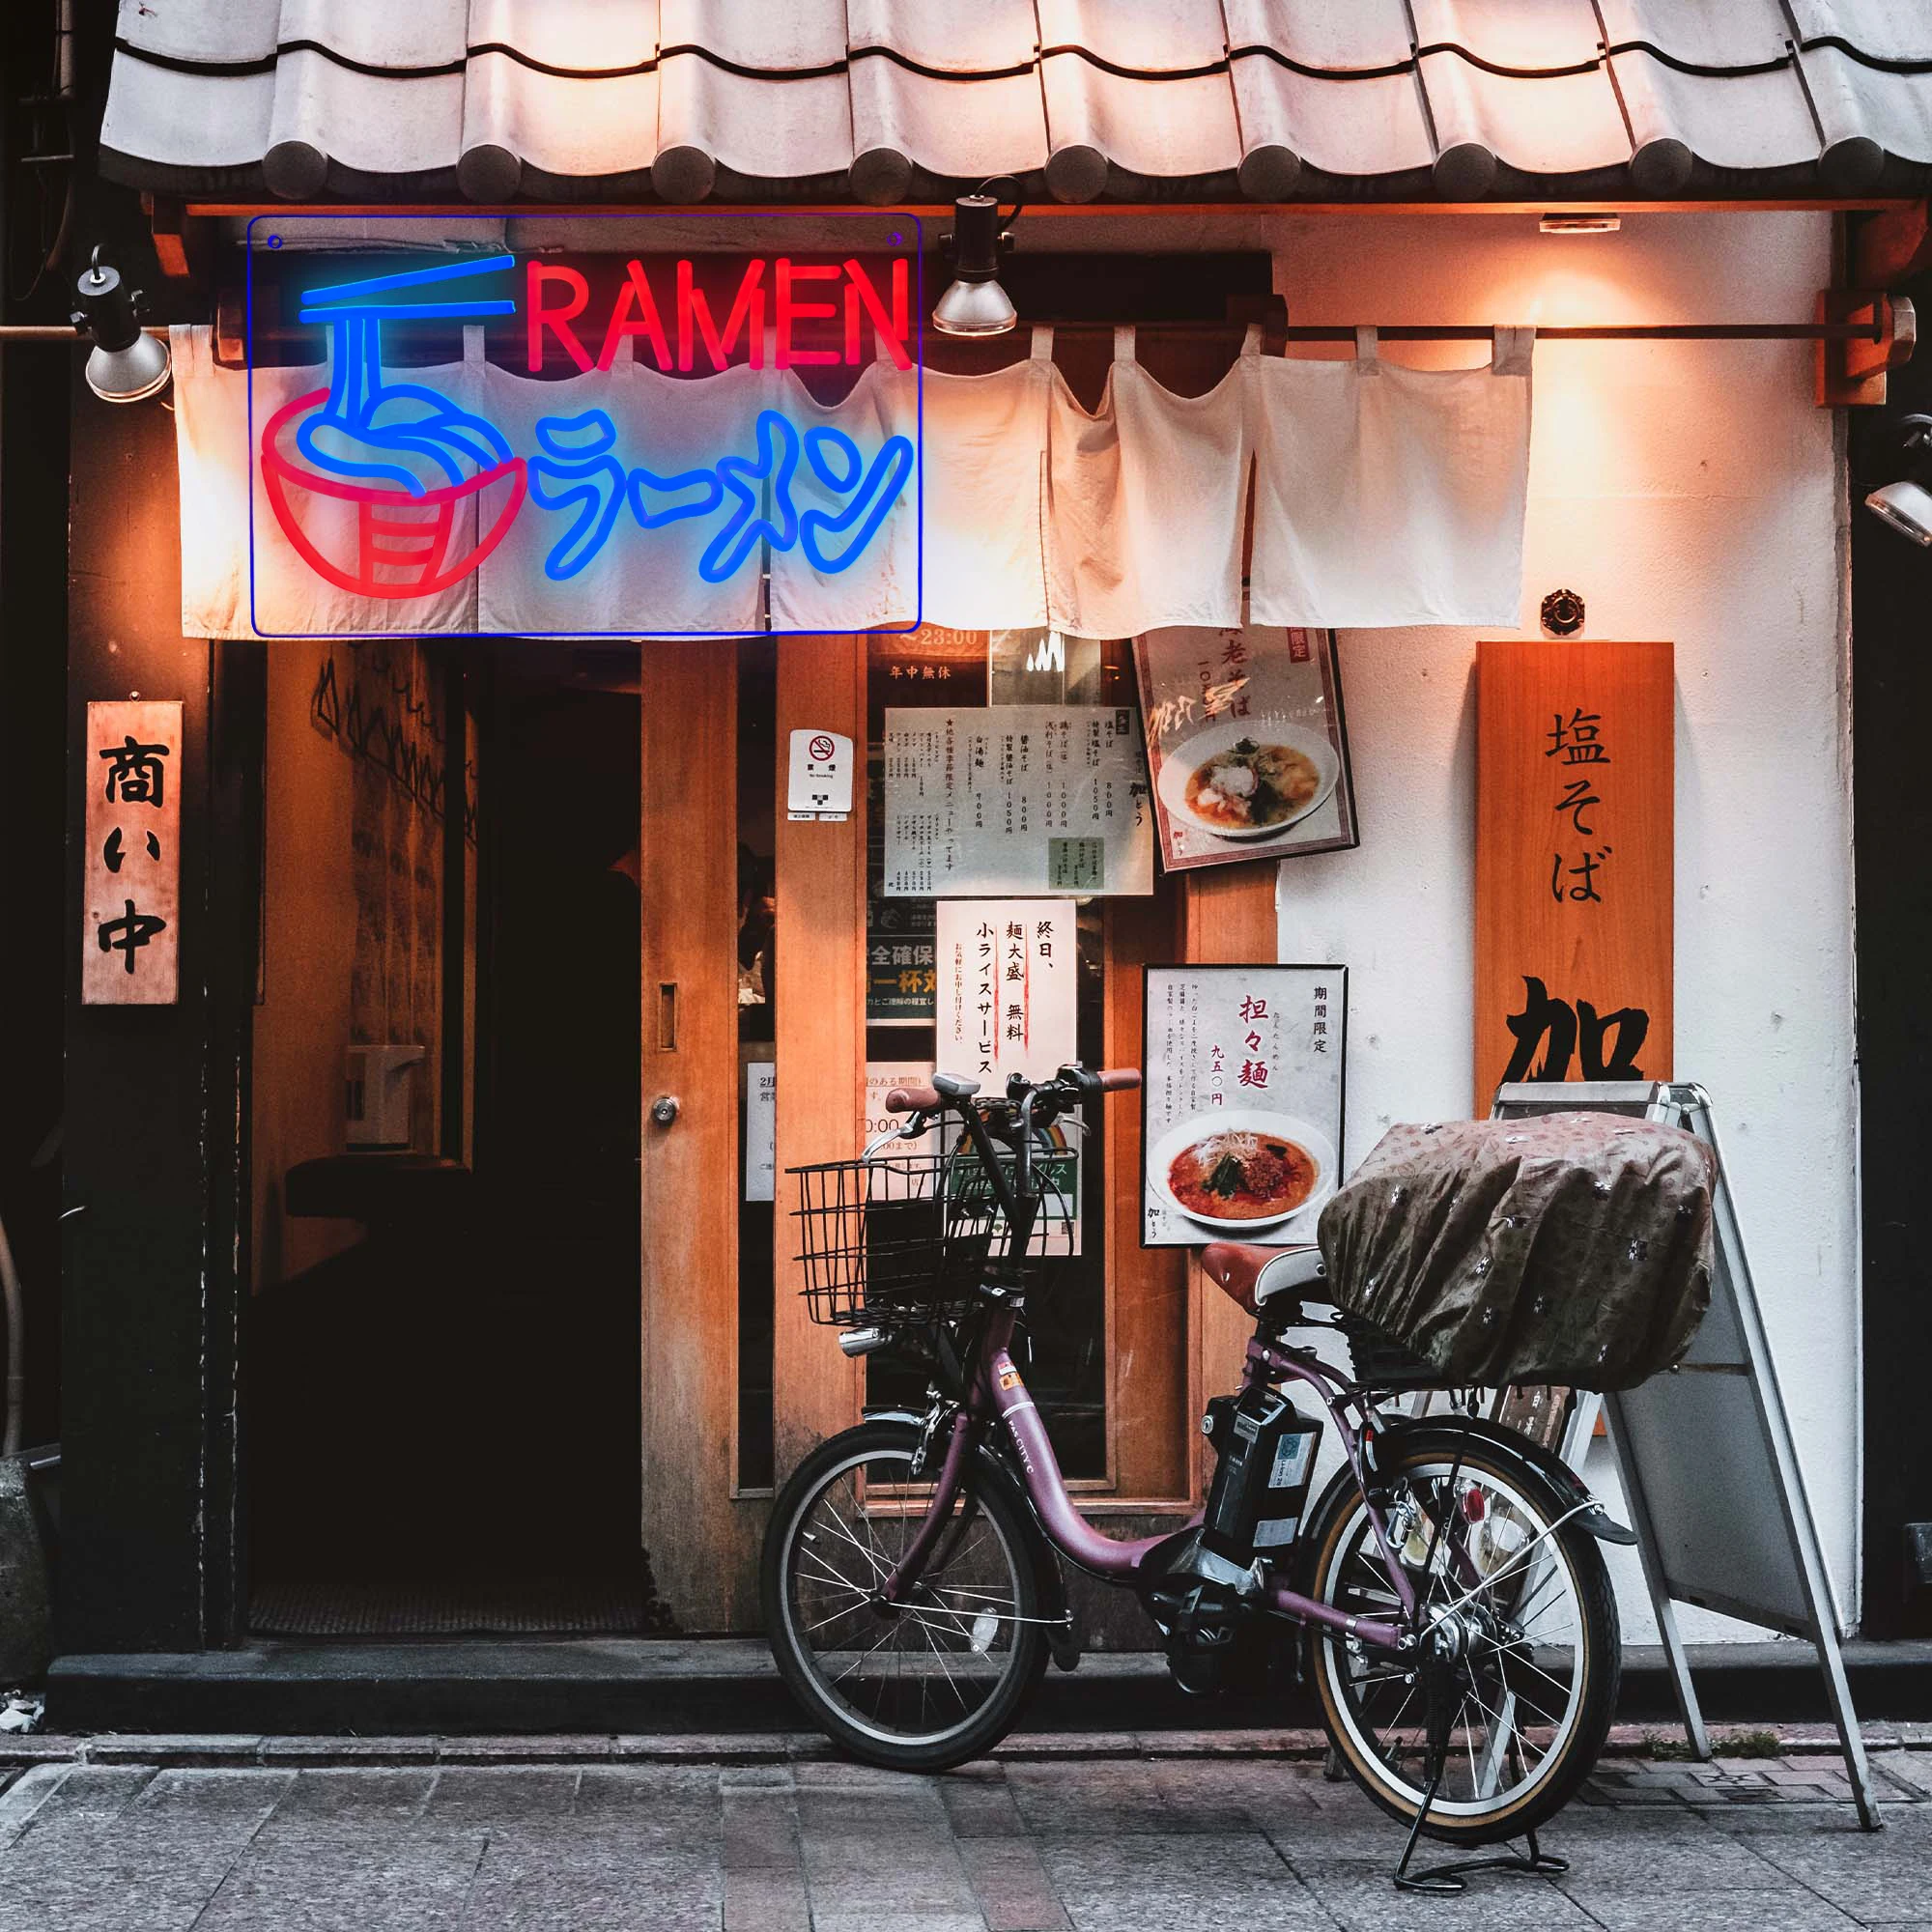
<point>912,1234</point>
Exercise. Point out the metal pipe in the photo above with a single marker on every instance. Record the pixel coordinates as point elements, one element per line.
<point>57,331</point>
<point>1392,331</point>
<point>1483,331</point>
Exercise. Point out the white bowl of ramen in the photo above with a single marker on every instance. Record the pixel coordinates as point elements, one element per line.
<point>1239,1170</point>
<point>1247,778</point>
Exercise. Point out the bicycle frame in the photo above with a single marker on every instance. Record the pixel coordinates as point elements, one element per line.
<point>996,1397</point>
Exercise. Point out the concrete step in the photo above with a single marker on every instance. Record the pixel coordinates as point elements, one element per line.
<point>531,1685</point>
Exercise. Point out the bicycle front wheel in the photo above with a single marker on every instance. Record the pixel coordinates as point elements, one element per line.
<point>920,1686</point>
<point>1538,1683</point>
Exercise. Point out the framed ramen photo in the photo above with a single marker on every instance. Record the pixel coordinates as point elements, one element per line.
<point>1241,1113</point>
<point>1248,749</point>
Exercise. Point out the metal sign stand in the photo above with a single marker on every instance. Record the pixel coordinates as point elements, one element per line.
<point>1700,1449</point>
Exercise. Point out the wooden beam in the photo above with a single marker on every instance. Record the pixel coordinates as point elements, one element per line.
<point>1892,245</point>
<point>819,996</point>
<point>1165,211</point>
<point>1227,917</point>
<point>688,1182</point>
<point>1852,373</point>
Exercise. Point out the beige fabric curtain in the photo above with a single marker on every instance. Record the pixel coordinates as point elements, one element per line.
<point>1382,496</point>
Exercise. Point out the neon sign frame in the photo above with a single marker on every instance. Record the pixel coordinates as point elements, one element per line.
<point>368,442</point>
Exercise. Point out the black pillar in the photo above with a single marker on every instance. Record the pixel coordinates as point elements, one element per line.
<point>1891,704</point>
<point>157,1097</point>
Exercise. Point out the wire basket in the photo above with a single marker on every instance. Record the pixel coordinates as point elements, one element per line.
<point>915,1235</point>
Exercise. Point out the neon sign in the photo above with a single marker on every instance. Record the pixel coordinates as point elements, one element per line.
<point>374,480</point>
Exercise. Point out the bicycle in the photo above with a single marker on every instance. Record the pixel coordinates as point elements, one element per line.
<point>1456,1619</point>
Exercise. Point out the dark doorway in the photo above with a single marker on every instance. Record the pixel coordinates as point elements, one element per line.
<point>444,1350</point>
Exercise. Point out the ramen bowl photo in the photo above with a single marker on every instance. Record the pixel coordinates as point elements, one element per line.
<point>1237,1171</point>
<point>1248,779</point>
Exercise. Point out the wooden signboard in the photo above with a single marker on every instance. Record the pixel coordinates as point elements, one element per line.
<point>1574,863</point>
<point>130,885</point>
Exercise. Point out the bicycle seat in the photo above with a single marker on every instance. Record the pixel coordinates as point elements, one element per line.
<point>1253,1276</point>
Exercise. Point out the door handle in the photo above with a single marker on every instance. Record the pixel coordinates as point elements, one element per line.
<point>663,1109</point>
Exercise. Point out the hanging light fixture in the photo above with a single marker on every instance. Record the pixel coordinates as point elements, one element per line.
<point>975,303</point>
<point>1907,504</point>
<point>128,363</point>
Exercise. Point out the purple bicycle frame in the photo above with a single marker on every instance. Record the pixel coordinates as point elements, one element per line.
<point>998,1396</point>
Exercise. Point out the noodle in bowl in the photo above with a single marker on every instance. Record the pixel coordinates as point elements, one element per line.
<point>1236,1171</point>
<point>1249,779</point>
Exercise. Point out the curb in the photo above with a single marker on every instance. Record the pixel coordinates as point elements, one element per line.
<point>1732,1742</point>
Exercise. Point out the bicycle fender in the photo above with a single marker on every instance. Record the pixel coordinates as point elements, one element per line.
<point>1064,1641</point>
<point>1532,1458</point>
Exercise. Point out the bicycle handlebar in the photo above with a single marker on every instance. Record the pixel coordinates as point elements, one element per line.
<point>929,1099</point>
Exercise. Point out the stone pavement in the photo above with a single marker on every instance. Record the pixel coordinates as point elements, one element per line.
<point>660,1834</point>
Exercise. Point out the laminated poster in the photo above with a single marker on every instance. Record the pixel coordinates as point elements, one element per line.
<point>1017,800</point>
<point>1246,744</point>
<point>1242,1114</point>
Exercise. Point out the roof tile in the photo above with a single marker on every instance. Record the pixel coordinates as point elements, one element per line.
<point>880,98</point>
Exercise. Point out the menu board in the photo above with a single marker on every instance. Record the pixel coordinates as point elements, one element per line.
<point>1242,1112</point>
<point>1016,799</point>
<point>1246,744</point>
<point>1008,979</point>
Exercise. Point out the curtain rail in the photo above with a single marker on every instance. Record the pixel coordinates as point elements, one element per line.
<point>1391,332</point>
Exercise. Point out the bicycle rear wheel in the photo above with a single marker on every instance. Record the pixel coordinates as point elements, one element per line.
<point>931,1682</point>
<point>1538,1683</point>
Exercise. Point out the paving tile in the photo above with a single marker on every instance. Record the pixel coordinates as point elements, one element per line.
<point>373,1796</point>
<point>766,1901</point>
<point>559,1880</point>
<point>1655,1853</point>
<point>342,1880</point>
<point>978,1808</point>
<point>175,1747</point>
<point>897,1921</point>
<point>882,1872</point>
<point>328,1751</point>
<point>1793,1911</point>
<point>1908,1771</point>
<point>1877,1877</point>
<point>1011,1886</point>
<point>758,1831</point>
<point>473,1797</point>
<point>1168,1882</point>
<point>1363,1897</point>
<point>520,1749</point>
<point>23,1799</point>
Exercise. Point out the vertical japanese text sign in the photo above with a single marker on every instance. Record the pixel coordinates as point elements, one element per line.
<point>1574,863</point>
<point>131,887</point>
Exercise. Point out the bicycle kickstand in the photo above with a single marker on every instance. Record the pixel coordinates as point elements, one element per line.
<point>1445,1881</point>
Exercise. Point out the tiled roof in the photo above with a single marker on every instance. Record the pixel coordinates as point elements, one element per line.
<point>888,101</point>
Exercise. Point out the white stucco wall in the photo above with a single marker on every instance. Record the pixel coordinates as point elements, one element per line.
<point>1689,491</point>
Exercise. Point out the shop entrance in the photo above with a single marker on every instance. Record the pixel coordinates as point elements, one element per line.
<point>443,1359</point>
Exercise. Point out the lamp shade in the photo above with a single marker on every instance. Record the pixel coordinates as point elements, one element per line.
<point>131,374</point>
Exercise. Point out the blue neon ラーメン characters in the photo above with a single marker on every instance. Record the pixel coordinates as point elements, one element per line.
<point>406,455</point>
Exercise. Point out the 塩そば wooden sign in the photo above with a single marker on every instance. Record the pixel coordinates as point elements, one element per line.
<point>1574,863</point>
<point>130,884</point>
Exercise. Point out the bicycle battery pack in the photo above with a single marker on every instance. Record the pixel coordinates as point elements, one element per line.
<point>1267,1455</point>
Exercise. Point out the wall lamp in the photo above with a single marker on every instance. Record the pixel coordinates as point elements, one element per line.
<point>129,362</point>
<point>975,303</point>
<point>1907,504</point>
